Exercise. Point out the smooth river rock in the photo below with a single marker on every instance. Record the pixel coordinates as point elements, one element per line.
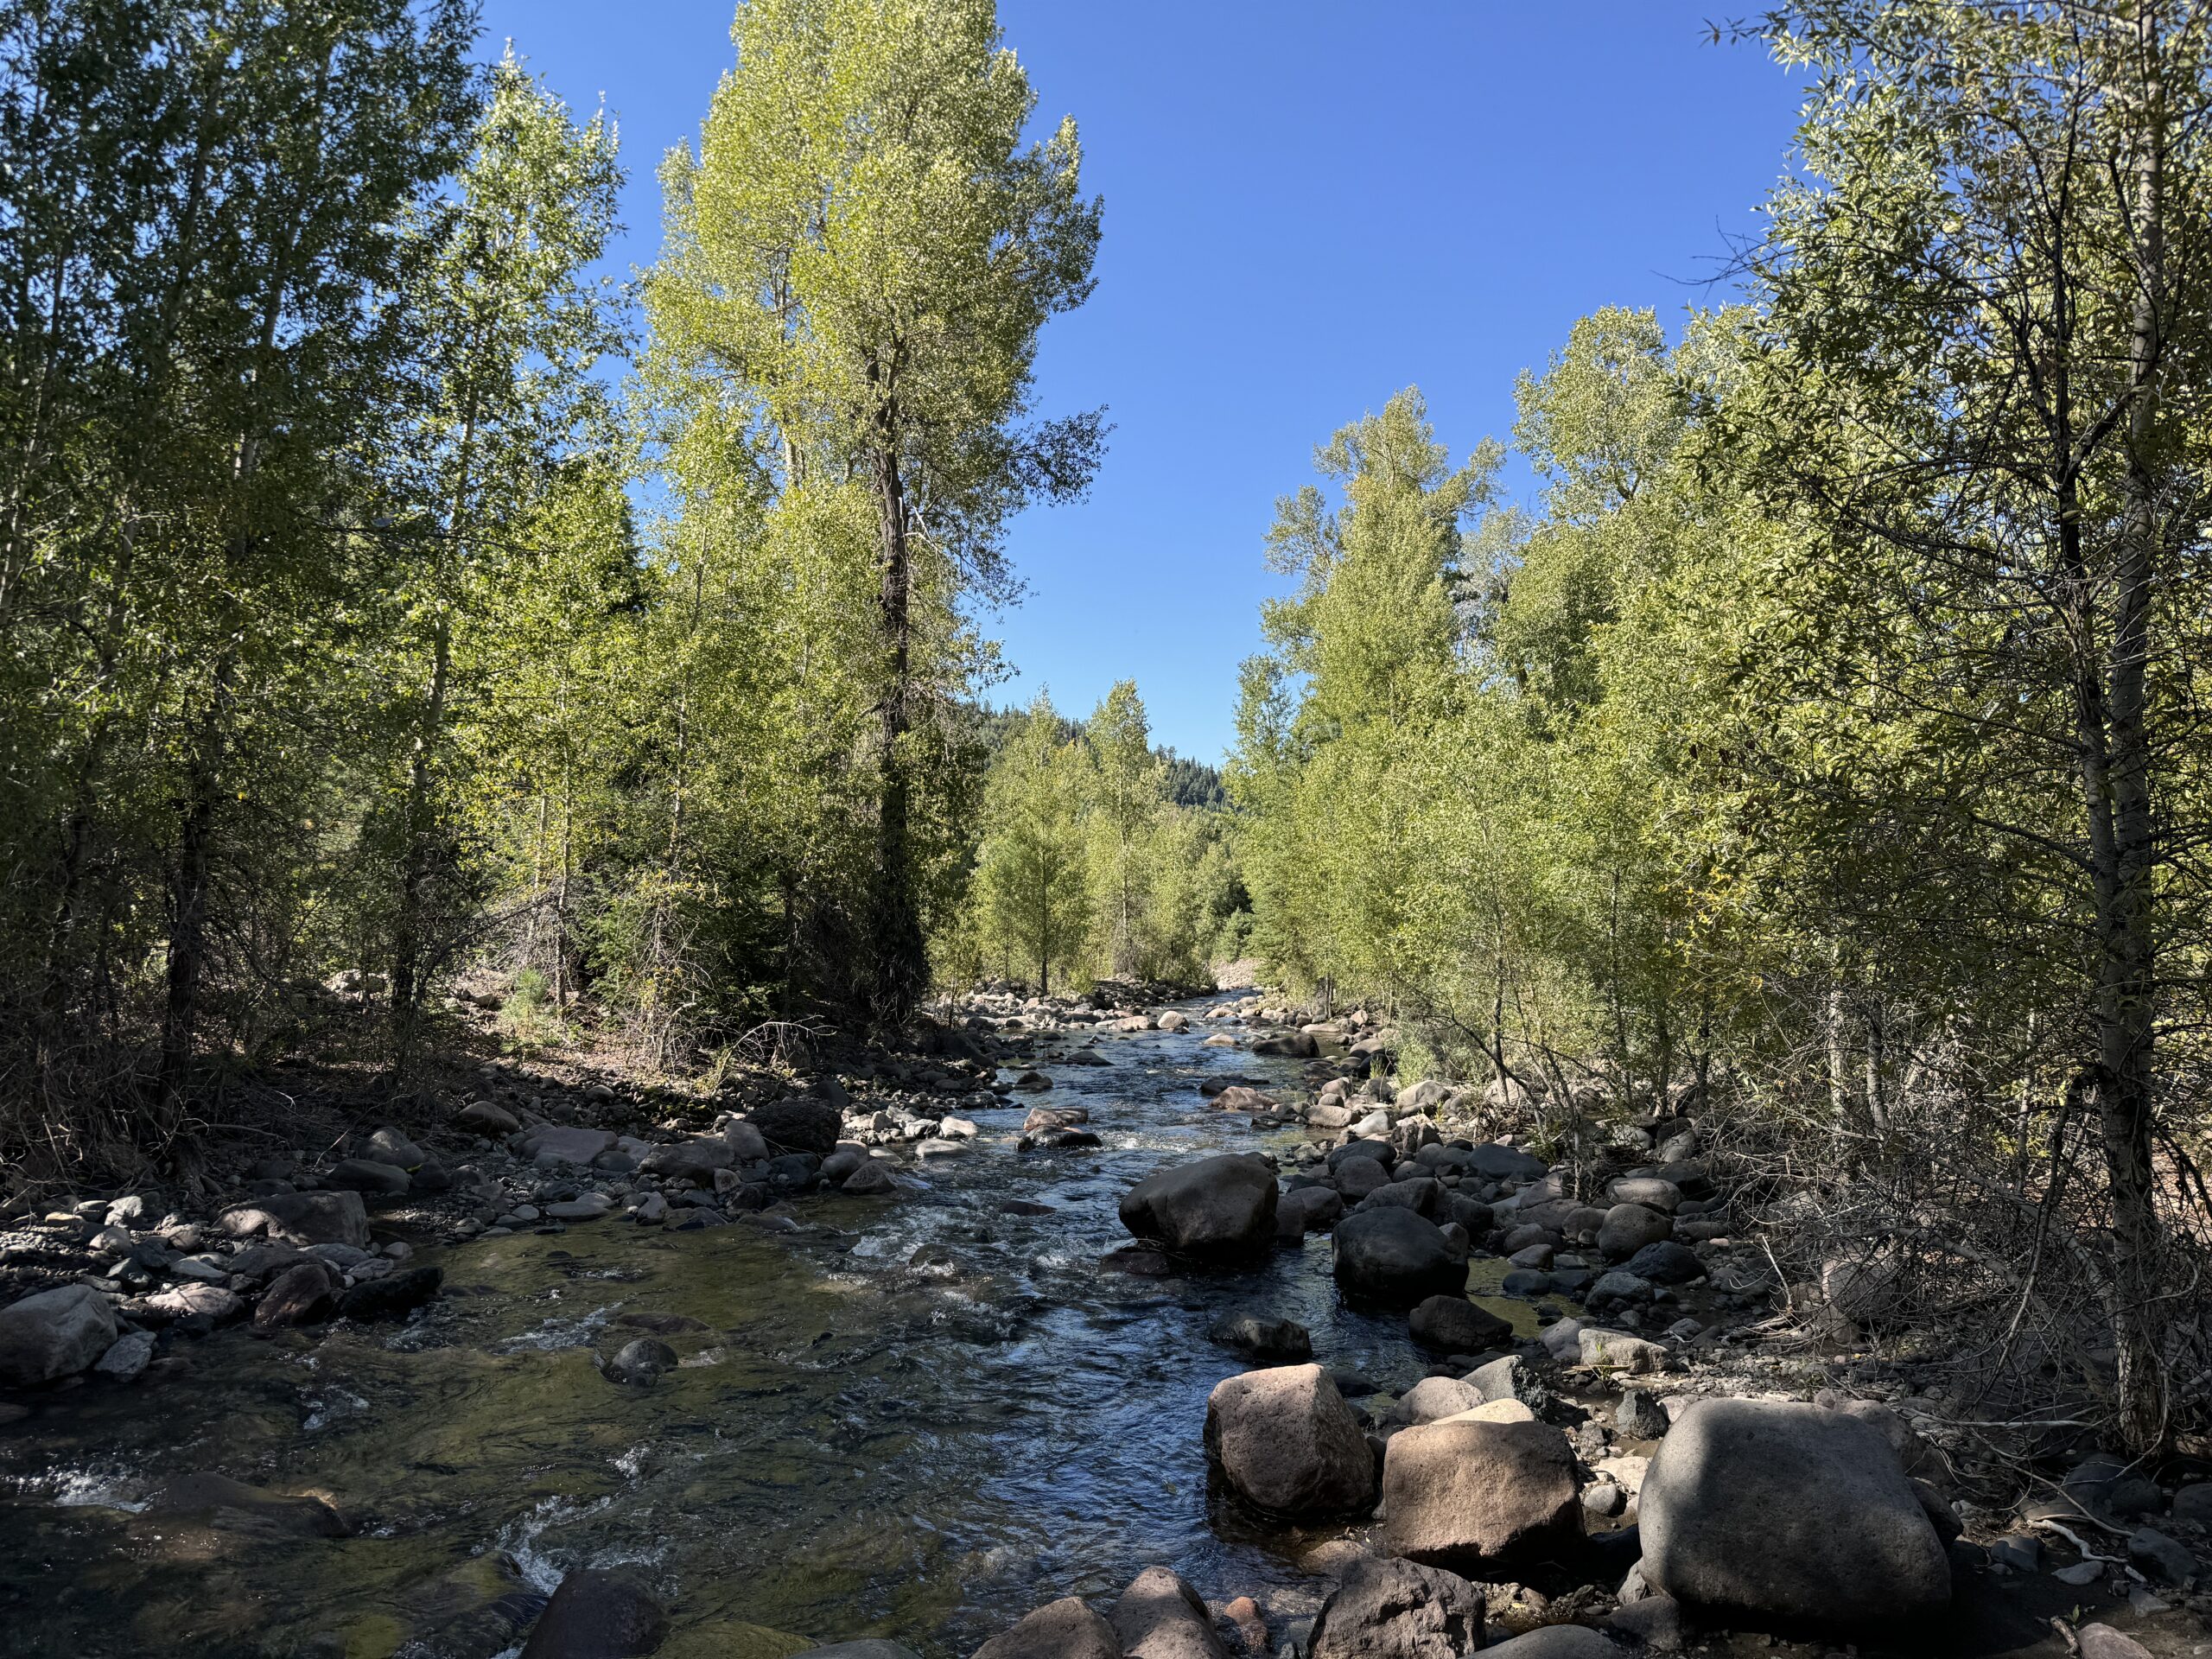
<point>1216,1206</point>
<point>1395,1257</point>
<point>1773,1510</point>
<point>52,1334</point>
<point>1062,1630</point>
<point>597,1614</point>
<point>1471,1495</point>
<point>1286,1442</point>
<point>1160,1616</point>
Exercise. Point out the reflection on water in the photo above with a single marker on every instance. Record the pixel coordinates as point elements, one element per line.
<point>916,1419</point>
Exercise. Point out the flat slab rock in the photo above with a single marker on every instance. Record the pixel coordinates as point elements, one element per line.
<point>556,1144</point>
<point>302,1219</point>
<point>1471,1494</point>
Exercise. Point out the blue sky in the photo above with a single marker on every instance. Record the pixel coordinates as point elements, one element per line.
<point>1308,206</point>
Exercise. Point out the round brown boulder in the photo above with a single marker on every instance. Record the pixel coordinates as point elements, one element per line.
<point>1062,1630</point>
<point>1286,1442</point>
<point>1470,1495</point>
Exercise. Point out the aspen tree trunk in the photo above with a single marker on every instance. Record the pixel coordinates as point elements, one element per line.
<point>188,947</point>
<point>2117,783</point>
<point>420,849</point>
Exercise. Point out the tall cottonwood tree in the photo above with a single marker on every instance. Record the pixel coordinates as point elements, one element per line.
<point>513,328</point>
<point>861,253</point>
<point>209,347</point>
<point>1987,310</point>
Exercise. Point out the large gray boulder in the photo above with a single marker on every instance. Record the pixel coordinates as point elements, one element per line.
<point>692,1161</point>
<point>597,1614</point>
<point>1160,1616</point>
<point>1500,1163</point>
<point>1395,1257</point>
<point>1769,1510</point>
<point>801,1123</point>
<point>1062,1630</point>
<point>1287,1443</point>
<point>1471,1495</point>
<point>301,1218</point>
<point>52,1334</point>
<point>1304,1210</point>
<point>1216,1206</point>
<point>1358,1176</point>
<point>1628,1227</point>
<point>1385,1609</point>
<point>1453,1324</point>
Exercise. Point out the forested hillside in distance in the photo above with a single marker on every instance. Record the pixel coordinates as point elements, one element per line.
<point>1099,855</point>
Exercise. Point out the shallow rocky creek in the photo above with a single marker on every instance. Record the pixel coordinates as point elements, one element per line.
<point>915,1417</point>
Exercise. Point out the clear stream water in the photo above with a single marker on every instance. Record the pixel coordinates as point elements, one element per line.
<point>917,1418</point>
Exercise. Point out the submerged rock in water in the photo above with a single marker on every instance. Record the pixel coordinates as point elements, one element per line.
<point>220,1498</point>
<point>871,1178</point>
<point>640,1363</point>
<point>53,1334</point>
<point>597,1614</point>
<point>1216,1206</point>
<point>1288,1444</point>
<point>1062,1630</point>
<point>391,1297</point>
<point>127,1357</point>
<point>1274,1342</point>
<point>1774,1510</point>
<point>1385,1609</point>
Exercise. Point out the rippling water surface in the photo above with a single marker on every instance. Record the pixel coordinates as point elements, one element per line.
<point>917,1419</point>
